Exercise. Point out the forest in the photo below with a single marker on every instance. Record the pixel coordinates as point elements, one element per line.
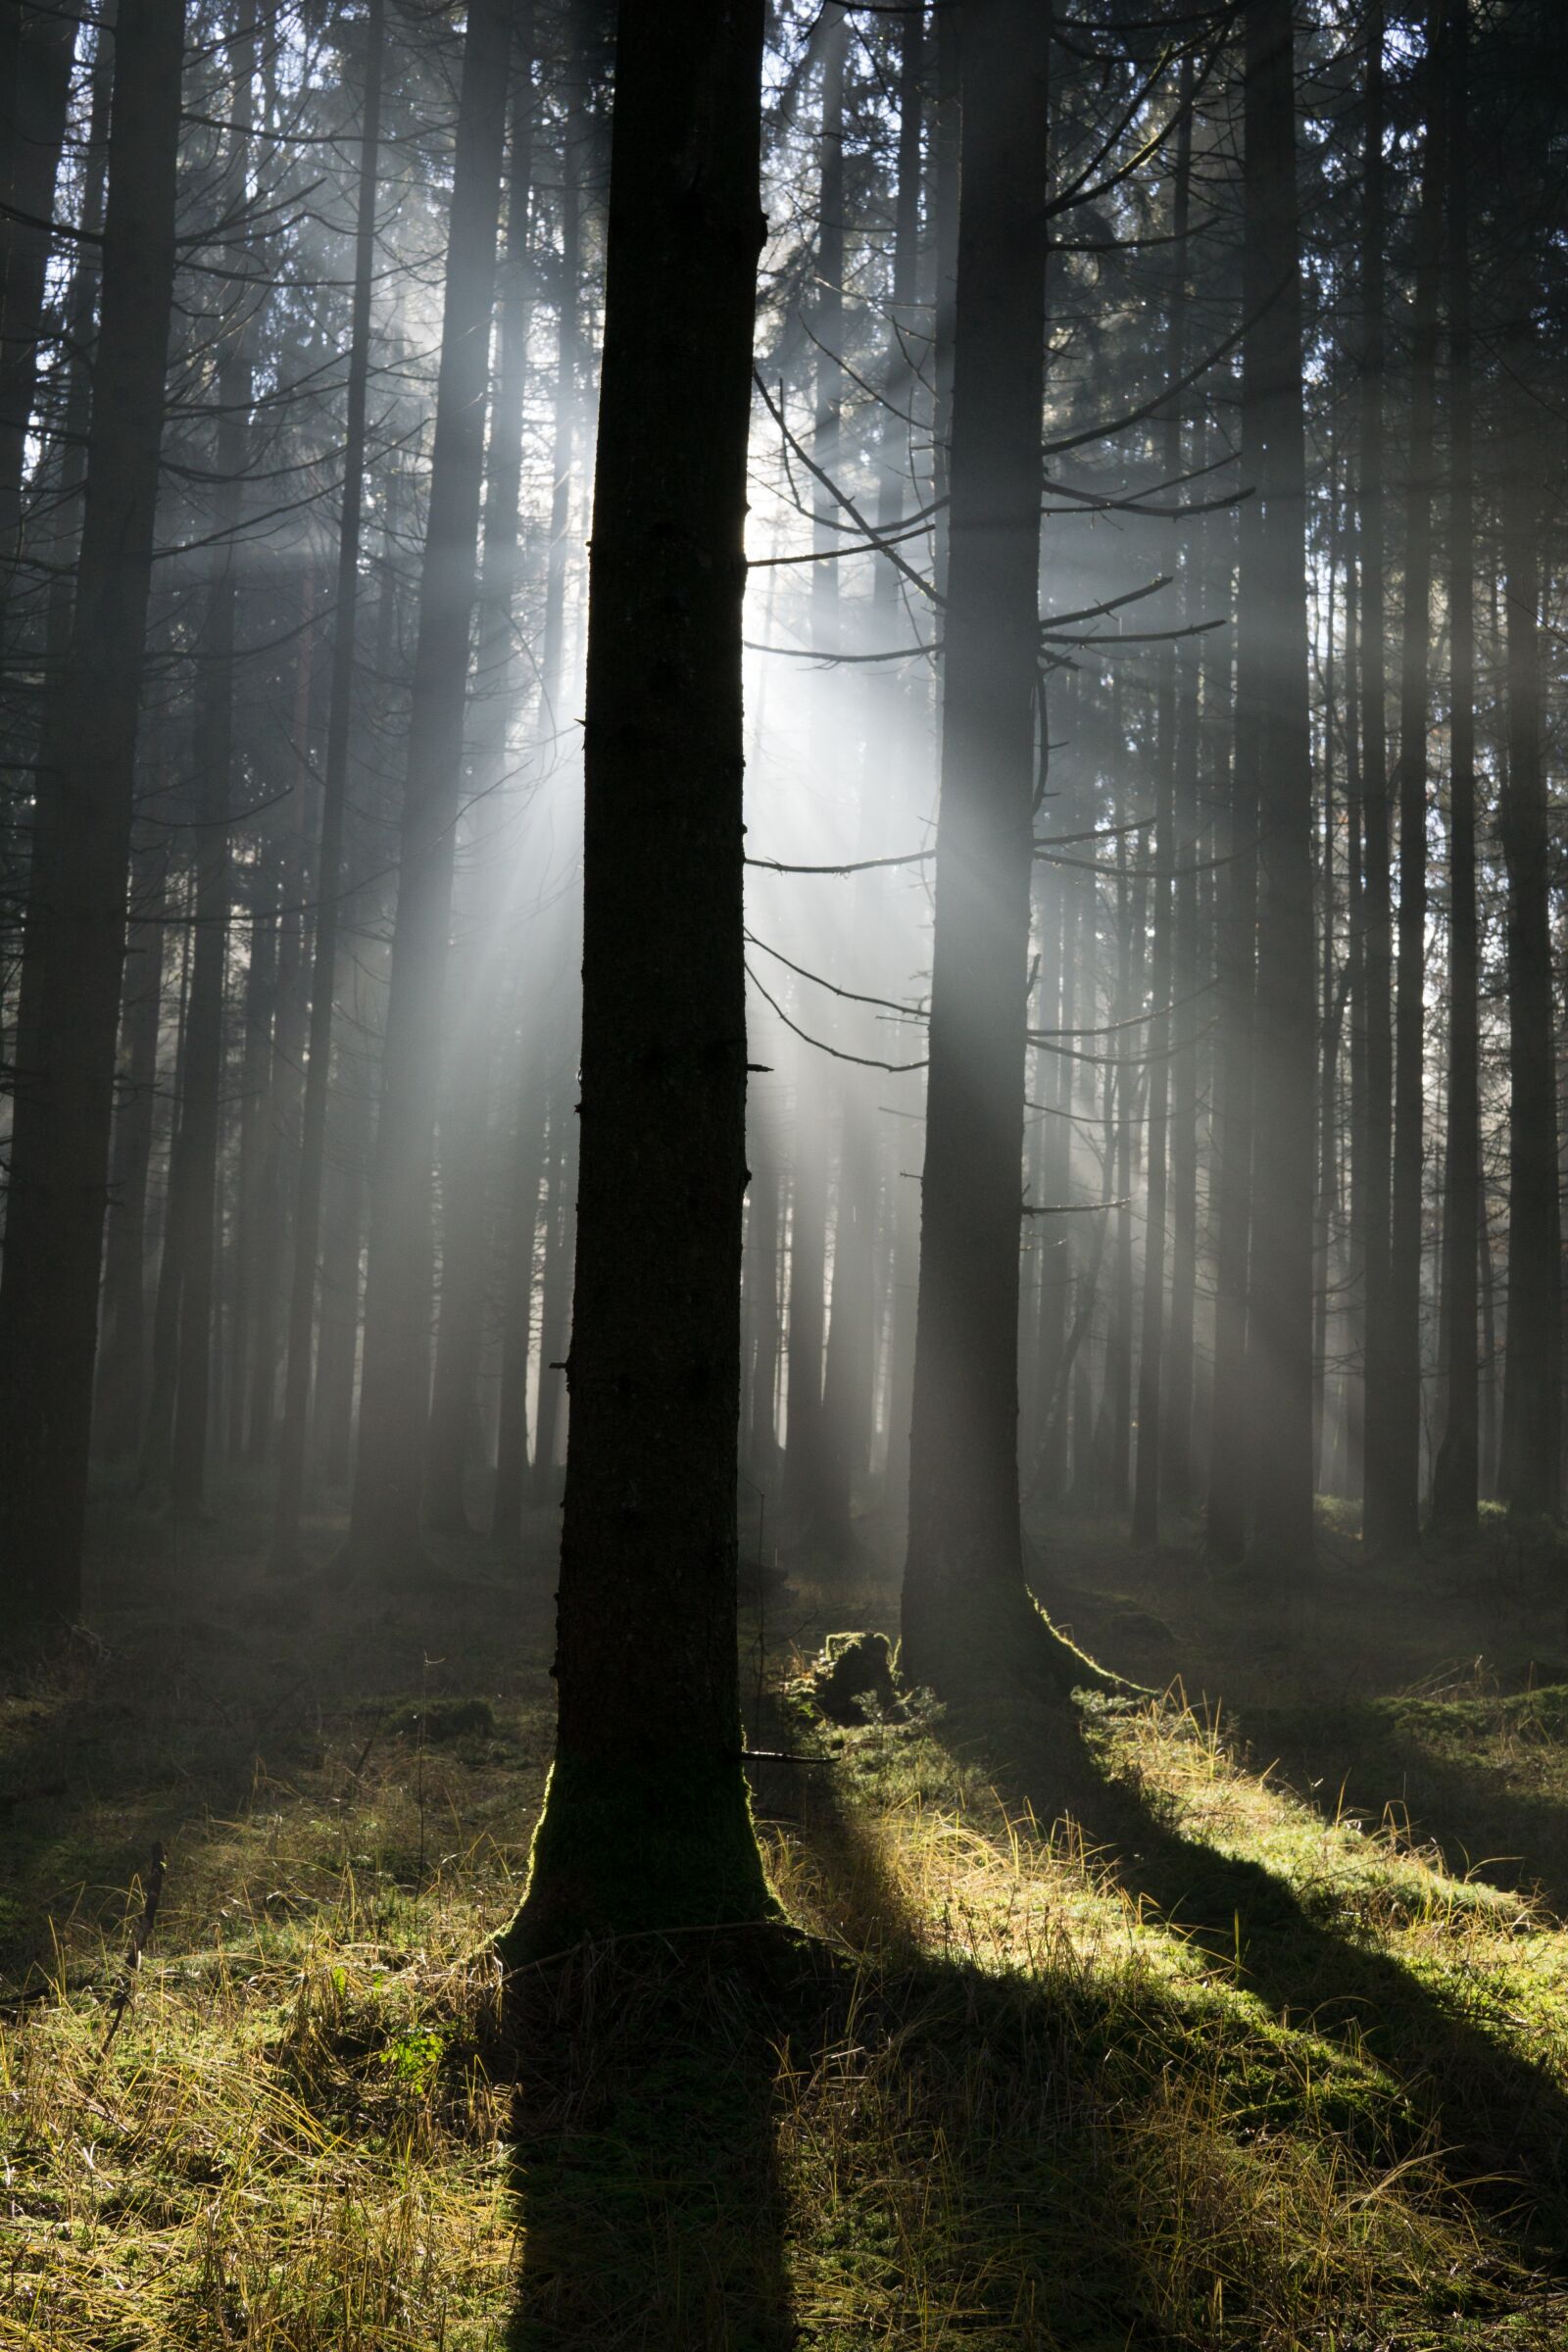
<point>782,1372</point>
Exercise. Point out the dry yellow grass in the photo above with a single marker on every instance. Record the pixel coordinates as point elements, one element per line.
<point>1200,2063</point>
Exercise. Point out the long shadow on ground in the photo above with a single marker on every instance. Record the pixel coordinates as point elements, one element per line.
<point>1488,2121</point>
<point>1477,1805</point>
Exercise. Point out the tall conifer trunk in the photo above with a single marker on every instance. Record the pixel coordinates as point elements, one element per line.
<point>1273,730</point>
<point>1399,1507</point>
<point>213,737</point>
<point>294,1431</point>
<point>1377,898</point>
<point>59,1143</point>
<point>965,1607</point>
<point>36,48</point>
<point>646,1821</point>
<point>465,1119</point>
<point>1532,1401</point>
<point>394,1395</point>
<point>1455,1488</point>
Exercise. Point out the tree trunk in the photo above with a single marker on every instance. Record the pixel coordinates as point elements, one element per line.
<point>293,1434</point>
<point>123,1341</point>
<point>1455,1484</point>
<point>465,1232</point>
<point>1273,727</point>
<point>1398,1520</point>
<point>1377,920</point>
<point>36,48</point>
<point>1530,1394</point>
<point>201,1109</point>
<point>1152,1373</point>
<point>517,1311</point>
<point>646,1821</point>
<point>59,1143</point>
<point>965,1606</point>
<point>394,1396</point>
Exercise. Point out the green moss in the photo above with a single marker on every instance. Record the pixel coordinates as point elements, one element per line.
<point>630,1846</point>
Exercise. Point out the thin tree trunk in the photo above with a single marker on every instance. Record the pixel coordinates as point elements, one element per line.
<point>465,1235</point>
<point>1399,1514</point>
<point>1273,730</point>
<point>1531,1392</point>
<point>122,1343</point>
<point>36,48</point>
<point>201,1114</point>
<point>394,1399</point>
<point>965,1607</point>
<point>1376,925</point>
<point>60,1142</point>
<point>516,1326</point>
<point>1152,1372</point>
<point>1455,1484</point>
<point>294,1431</point>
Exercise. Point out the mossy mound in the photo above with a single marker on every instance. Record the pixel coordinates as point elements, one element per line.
<point>851,1670</point>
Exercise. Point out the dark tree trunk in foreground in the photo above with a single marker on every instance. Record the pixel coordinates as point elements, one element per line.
<point>1273,729</point>
<point>1455,1487</point>
<point>394,1393</point>
<point>965,1606</point>
<point>646,1820</point>
<point>60,1143</point>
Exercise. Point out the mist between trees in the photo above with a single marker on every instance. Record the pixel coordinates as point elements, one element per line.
<point>1149,458</point>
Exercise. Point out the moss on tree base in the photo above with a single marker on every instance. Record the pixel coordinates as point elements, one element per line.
<point>630,1846</point>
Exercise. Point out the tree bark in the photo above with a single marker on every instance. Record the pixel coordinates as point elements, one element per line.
<point>465,1120</point>
<point>1152,1373</point>
<point>1273,725</point>
<point>965,1606</point>
<point>36,49</point>
<point>1531,1468</point>
<point>59,1143</point>
<point>294,1431</point>
<point>646,1821</point>
<point>1397,1519</point>
<point>123,1341</point>
<point>394,1393</point>
<point>1455,1483</point>
<point>1377,900</point>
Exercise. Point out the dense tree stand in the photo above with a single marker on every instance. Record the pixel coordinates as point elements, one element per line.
<point>646,1821</point>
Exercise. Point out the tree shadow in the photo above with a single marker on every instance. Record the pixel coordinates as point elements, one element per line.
<point>645,2143</point>
<point>1363,1758</point>
<point>1491,2124</point>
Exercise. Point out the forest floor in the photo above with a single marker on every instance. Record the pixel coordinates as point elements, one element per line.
<point>1233,2020</point>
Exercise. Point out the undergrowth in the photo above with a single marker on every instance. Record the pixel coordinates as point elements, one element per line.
<point>1083,2037</point>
